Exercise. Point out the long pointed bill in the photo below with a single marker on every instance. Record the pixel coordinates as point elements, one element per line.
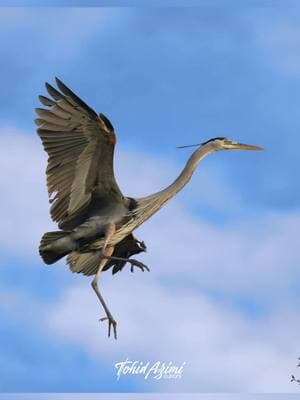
<point>241,146</point>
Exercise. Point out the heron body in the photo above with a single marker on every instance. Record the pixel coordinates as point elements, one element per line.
<point>96,220</point>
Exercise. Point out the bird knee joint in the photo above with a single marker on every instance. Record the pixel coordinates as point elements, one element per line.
<point>94,284</point>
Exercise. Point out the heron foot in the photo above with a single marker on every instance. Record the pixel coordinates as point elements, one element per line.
<point>111,323</point>
<point>136,263</point>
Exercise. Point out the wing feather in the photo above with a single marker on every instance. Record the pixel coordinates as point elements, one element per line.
<point>46,101</point>
<point>80,146</point>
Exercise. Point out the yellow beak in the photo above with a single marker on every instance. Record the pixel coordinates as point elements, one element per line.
<point>241,146</point>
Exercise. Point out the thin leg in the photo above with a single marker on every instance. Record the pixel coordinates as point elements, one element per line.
<point>106,251</point>
<point>109,317</point>
<point>106,255</point>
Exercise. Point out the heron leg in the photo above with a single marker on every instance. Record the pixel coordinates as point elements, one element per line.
<point>107,251</point>
<point>134,263</point>
<point>111,321</point>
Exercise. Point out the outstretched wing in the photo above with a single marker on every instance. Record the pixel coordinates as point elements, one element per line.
<point>80,145</point>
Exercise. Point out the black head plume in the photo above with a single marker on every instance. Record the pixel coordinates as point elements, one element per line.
<point>201,144</point>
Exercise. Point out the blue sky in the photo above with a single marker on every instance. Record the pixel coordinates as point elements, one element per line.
<point>165,77</point>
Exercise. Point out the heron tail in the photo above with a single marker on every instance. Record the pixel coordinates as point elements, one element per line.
<point>50,252</point>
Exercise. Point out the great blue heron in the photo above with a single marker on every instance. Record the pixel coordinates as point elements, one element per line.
<point>95,218</point>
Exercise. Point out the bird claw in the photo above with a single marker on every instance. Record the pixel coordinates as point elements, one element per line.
<point>135,263</point>
<point>111,323</point>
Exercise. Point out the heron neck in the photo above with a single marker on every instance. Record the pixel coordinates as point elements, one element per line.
<point>187,172</point>
<point>170,191</point>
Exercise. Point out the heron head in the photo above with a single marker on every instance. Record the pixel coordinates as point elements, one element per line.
<point>222,143</point>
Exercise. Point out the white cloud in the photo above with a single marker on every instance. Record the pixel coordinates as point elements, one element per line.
<point>24,208</point>
<point>223,350</point>
<point>256,257</point>
<point>171,313</point>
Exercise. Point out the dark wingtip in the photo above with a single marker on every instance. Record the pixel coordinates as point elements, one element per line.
<point>49,88</point>
<point>61,85</point>
<point>46,101</point>
<point>107,122</point>
<point>59,82</point>
<point>68,92</point>
<point>53,92</point>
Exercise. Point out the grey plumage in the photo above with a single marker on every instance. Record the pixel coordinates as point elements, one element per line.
<point>95,219</point>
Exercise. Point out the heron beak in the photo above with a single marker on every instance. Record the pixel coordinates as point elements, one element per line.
<point>242,146</point>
